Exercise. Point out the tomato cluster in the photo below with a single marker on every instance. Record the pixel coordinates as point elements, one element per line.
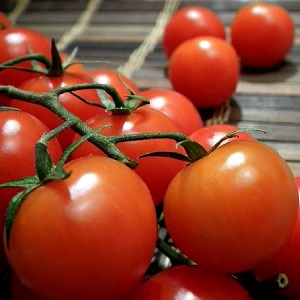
<point>212,201</point>
<point>201,56</point>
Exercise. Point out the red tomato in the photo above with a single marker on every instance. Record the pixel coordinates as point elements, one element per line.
<point>4,21</point>
<point>262,34</point>
<point>157,172</point>
<point>91,236</point>
<point>286,261</point>
<point>233,209</point>
<point>15,42</point>
<point>19,133</point>
<point>176,106</point>
<point>112,78</point>
<point>205,70</point>
<point>70,102</point>
<point>208,136</point>
<point>190,282</point>
<point>189,22</point>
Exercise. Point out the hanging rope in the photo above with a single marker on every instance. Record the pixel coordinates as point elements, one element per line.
<point>80,25</point>
<point>18,10</point>
<point>137,57</point>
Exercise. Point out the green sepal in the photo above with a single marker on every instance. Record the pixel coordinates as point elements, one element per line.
<point>170,154</point>
<point>9,108</point>
<point>56,68</point>
<point>193,149</point>
<point>26,182</point>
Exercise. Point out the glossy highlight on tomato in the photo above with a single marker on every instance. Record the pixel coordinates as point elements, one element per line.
<point>206,70</point>
<point>233,209</point>
<point>262,34</point>
<point>190,282</point>
<point>176,106</point>
<point>189,22</point>
<point>91,235</point>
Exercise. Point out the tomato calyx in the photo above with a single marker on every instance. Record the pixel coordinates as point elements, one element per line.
<point>194,150</point>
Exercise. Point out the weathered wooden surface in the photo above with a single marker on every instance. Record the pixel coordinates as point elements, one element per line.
<point>267,100</point>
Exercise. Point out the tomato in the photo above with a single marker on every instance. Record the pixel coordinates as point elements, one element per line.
<point>205,70</point>
<point>16,42</point>
<point>190,282</point>
<point>19,133</point>
<point>233,209</point>
<point>189,22</point>
<point>91,235</point>
<point>208,136</point>
<point>4,21</point>
<point>69,101</point>
<point>157,172</point>
<point>262,34</point>
<point>118,81</point>
<point>286,261</point>
<point>176,106</point>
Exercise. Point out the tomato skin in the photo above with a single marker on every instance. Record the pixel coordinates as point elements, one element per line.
<point>182,281</point>
<point>286,261</point>
<point>111,77</point>
<point>176,106</point>
<point>14,43</point>
<point>91,236</point>
<point>201,63</point>
<point>70,102</point>
<point>19,133</point>
<point>262,34</point>
<point>189,22</point>
<point>142,120</point>
<point>238,213</point>
<point>208,136</point>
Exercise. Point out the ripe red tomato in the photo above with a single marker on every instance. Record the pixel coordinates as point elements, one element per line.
<point>262,34</point>
<point>189,22</point>
<point>233,209</point>
<point>77,67</point>
<point>15,42</point>
<point>112,78</point>
<point>205,70</point>
<point>4,21</point>
<point>89,236</point>
<point>190,282</point>
<point>19,133</point>
<point>69,101</point>
<point>286,261</point>
<point>157,172</point>
<point>176,106</point>
<point>208,136</point>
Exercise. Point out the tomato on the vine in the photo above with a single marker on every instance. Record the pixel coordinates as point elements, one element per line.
<point>209,135</point>
<point>16,42</point>
<point>69,101</point>
<point>233,209</point>
<point>206,70</point>
<point>88,236</point>
<point>190,282</point>
<point>19,133</point>
<point>113,78</point>
<point>189,22</point>
<point>286,261</point>
<point>176,106</point>
<point>262,34</point>
<point>157,172</point>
